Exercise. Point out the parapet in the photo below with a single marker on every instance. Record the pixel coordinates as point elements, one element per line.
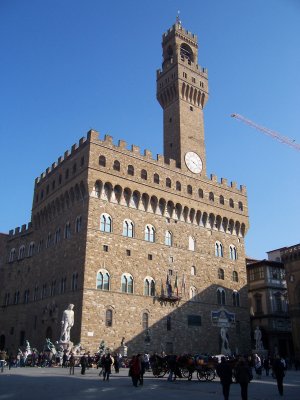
<point>179,28</point>
<point>25,228</point>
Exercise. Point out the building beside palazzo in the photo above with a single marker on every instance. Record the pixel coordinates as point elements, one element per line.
<point>150,250</point>
<point>269,309</point>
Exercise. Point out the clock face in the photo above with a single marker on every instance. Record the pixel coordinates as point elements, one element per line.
<point>193,162</point>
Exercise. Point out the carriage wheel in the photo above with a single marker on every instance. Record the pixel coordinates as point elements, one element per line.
<point>184,372</point>
<point>201,375</point>
<point>210,374</point>
<point>157,372</point>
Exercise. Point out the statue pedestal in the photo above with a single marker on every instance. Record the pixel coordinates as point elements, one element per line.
<point>65,345</point>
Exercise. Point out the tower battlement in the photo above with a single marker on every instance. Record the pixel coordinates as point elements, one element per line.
<point>179,28</point>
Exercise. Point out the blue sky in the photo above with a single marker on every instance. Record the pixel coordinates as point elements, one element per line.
<point>70,65</point>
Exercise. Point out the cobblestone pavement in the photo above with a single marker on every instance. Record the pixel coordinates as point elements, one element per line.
<point>56,383</point>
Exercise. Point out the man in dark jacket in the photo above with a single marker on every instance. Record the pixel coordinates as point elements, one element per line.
<point>278,371</point>
<point>224,371</point>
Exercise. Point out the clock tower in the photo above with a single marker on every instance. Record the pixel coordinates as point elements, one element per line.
<point>182,92</point>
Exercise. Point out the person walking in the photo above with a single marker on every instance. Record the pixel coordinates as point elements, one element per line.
<point>107,366</point>
<point>224,371</point>
<point>72,364</point>
<point>267,364</point>
<point>2,359</point>
<point>83,362</point>
<point>257,366</point>
<point>278,370</point>
<point>243,374</point>
<point>135,370</point>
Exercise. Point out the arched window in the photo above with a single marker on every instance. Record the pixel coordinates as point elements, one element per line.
<point>241,206</point>
<point>200,193</point>
<point>211,197</point>
<point>102,161</point>
<point>235,276</point>
<point>231,203</point>
<point>108,318</point>
<point>232,252</point>
<point>168,182</point>
<point>74,284</point>
<point>145,321</point>
<point>144,174</point>
<point>149,286</point>
<point>103,280</point>
<point>193,292</point>
<point>168,238</point>
<point>191,243</point>
<point>12,255</point>
<point>57,236</point>
<point>67,230</point>
<point>150,233</point>
<point>78,224</point>
<point>235,298</point>
<point>128,228</point>
<point>218,249</point>
<point>221,273</point>
<point>105,223</point>
<point>130,170</point>
<point>31,249</point>
<point>221,200</point>
<point>127,283</point>
<point>221,299</point>
<point>189,189</point>
<point>186,53</point>
<point>116,165</point>
<point>178,186</point>
<point>21,252</point>
<point>156,178</point>
<point>193,270</point>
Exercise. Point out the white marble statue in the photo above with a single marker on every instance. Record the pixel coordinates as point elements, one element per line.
<point>66,324</point>
<point>224,342</point>
<point>257,338</point>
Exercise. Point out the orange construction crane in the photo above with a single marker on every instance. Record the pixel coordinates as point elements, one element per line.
<point>275,135</point>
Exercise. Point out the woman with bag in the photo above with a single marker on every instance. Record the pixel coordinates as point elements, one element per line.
<point>243,375</point>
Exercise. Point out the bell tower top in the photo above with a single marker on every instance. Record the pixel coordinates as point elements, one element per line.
<point>182,91</point>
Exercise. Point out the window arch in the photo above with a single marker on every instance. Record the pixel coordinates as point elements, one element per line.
<point>168,238</point>
<point>12,255</point>
<point>108,317</point>
<point>218,249</point>
<point>200,193</point>
<point>145,320</point>
<point>232,252</point>
<point>193,292</point>
<point>211,197</point>
<point>168,182</point>
<point>241,206</point>
<point>235,298</point>
<point>186,53</point>
<point>221,273</point>
<point>178,186</point>
<point>74,284</point>
<point>21,252</point>
<point>67,230</point>
<point>231,203</point>
<point>150,233</point>
<point>235,276</point>
<point>193,270</point>
<point>105,223</point>
<point>102,161</point>
<point>221,298</point>
<point>221,199</point>
<point>189,189</point>
<point>149,286</point>
<point>156,178</point>
<point>128,228</point>
<point>127,283</point>
<point>56,236</point>
<point>130,170</point>
<point>78,224</point>
<point>31,249</point>
<point>103,280</point>
<point>144,174</point>
<point>191,243</point>
<point>116,165</point>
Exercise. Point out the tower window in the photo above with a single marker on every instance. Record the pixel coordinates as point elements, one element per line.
<point>191,108</point>
<point>116,165</point>
<point>170,119</point>
<point>144,174</point>
<point>186,53</point>
<point>102,161</point>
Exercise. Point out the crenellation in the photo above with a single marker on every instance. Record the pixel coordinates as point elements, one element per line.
<point>82,140</point>
<point>53,166</point>
<point>66,154</point>
<point>172,163</point>
<point>243,189</point>
<point>47,170</point>
<point>136,150</point>
<point>148,154</point>
<point>233,185</point>
<point>160,159</point>
<point>17,230</point>
<point>11,232</point>
<point>213,178</point>
<point>74,147</point>
<point>108,139</point>
<point>122,145</point>
<point>23,228</point>
<point>92,135</point>
<point>59,160</point>
<point>224,182</point>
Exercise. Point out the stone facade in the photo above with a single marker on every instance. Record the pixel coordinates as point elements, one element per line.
<point>112,229</point>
